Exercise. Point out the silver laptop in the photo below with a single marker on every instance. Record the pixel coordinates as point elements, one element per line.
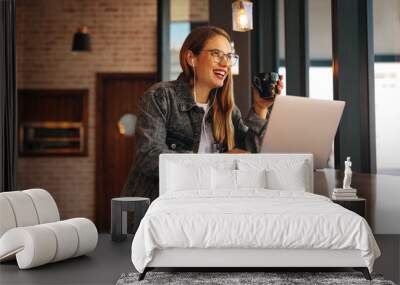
<point>303,125</point>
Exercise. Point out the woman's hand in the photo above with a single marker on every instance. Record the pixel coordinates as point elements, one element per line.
<point>261,105</point>
<point>237,150</point>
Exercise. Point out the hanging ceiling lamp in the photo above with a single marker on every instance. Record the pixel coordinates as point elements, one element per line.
<point>242,15</point>
<point>81,40</point>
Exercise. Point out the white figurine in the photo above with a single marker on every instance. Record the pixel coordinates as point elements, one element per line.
<point>347,174</point>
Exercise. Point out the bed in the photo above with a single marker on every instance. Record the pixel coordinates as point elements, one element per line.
<point>246,211</point>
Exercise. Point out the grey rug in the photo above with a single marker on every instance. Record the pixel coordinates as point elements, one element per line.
<point>269,278</point>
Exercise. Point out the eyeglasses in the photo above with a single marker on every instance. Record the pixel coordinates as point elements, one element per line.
<point>219,55</point>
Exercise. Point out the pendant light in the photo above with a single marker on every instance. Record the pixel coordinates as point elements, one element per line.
<point>242,15</point>
<point>81,40</point>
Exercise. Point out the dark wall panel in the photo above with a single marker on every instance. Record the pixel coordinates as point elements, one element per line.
<point>8,97</point>
<point>265,37</point>
<point>296,47</point>
<point>353,69</point>
<point>163,35</point>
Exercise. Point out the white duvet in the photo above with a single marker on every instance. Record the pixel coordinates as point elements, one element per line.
<point>251,218</point>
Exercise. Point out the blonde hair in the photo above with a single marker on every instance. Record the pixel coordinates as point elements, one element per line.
<point>223,104</point>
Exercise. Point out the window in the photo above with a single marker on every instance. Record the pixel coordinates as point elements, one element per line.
<point>387,85</point>
<point>178,33</point>
<point>387,117</point>
<point>185,16</point>
<point>320,48</point>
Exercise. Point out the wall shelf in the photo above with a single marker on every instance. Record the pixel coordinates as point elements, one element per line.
<point>52,122</point>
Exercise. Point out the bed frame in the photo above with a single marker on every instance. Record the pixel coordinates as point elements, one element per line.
<point>249,258</point>
<point>242,259</point>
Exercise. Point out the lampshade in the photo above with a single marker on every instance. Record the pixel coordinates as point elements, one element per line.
<point>81,40</point>
<point>242,16</point>
<point>127,125</point>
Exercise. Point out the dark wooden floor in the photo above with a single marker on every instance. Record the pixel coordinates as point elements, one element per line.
<point>110,260</point>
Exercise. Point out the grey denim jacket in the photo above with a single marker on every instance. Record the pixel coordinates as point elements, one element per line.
<point>169,121</point>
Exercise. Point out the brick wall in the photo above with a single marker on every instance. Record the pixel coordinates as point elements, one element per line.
<point>124,39</point>
<point>199,10</point>
<point>190,10</point>
<point>179,10</point>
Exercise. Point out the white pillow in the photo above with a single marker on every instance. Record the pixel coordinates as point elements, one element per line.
<point>181,177</point>
<point>251,178</point>
<point>200,160</point>
<point>292,178</point>
<point>223,179</point>
<point>227,179</point>
<point>281,174</point>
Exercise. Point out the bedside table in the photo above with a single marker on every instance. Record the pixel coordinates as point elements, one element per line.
<point>357,205</point>
<point>119,215</point>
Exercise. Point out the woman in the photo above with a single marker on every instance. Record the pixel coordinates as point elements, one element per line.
<point>195,113</point>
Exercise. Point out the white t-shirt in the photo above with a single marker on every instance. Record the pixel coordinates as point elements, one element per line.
<point>207,137</point>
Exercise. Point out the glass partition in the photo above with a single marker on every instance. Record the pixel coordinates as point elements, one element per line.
<point>387,85</point>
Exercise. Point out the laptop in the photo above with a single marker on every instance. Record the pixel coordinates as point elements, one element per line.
<point>303,125</point>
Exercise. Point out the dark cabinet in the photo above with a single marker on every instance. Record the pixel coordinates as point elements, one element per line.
<point>358,205</point>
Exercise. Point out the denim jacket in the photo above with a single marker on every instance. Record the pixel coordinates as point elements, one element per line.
<point>169,121</point>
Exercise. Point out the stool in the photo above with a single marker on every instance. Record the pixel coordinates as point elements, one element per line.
<point>119,208</point>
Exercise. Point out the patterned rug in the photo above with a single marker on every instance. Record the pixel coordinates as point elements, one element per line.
<point>243,278</point>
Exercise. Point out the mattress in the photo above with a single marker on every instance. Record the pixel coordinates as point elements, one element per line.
<point>251,219</point>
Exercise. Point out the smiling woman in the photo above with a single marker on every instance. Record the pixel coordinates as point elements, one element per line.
<point>205,71</point>
<point>195,113</point>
